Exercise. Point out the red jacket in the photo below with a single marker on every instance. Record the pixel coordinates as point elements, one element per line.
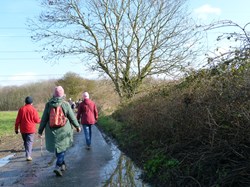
<point>27,118</point>
<point>87,112</point>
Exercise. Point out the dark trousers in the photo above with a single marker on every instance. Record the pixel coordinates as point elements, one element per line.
<point>28,140</point>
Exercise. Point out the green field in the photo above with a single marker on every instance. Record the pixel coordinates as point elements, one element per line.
<point>7,123</point>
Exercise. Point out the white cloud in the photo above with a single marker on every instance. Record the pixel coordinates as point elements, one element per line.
<point>24,76</point>
<point>204,11</point>
<point>21,78</point>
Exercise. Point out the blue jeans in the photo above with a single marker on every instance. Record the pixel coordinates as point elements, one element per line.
<point>60,158</point>
<point>88,133</point>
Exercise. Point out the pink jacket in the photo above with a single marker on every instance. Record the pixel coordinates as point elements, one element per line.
<point>27,118</point>
<point>87,112</point>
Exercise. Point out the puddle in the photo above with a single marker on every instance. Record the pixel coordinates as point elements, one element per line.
<point>120,171</point>
<point>5,160</point>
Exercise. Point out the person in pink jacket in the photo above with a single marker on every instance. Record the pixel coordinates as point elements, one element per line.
<point>88,114</point>
<point>26,120</point>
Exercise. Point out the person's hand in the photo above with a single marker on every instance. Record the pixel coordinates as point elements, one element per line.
<point>78,129</point>
<point>16,132</point>
<point>40,136</point>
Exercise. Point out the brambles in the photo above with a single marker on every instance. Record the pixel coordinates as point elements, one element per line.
<point>202,123</point>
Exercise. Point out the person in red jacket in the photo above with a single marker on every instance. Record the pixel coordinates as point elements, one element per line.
<point>27,118</point>
<point>88,114</point>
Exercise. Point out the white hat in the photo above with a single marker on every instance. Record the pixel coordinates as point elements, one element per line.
<point>85,95</point>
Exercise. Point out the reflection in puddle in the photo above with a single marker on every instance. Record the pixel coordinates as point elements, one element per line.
<point>5,160</point>
<point>120,171</point>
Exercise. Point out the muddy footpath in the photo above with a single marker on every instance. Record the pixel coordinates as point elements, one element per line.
<point>103,165</point>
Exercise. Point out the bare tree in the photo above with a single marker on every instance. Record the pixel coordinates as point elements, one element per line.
<point>126,40</point>
<point>239,50</point>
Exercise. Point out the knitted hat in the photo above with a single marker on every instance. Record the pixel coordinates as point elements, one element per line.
<point>85,95</point>
<point>59,91</point>
<point>28,100</point>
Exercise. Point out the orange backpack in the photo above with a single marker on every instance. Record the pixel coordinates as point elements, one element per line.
<point>57,117</point>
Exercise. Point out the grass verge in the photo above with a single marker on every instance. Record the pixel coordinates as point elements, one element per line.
<point>7,123</point>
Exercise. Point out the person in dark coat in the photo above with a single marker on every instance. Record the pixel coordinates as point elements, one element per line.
<point>58,140</point>
<point>88,114</point>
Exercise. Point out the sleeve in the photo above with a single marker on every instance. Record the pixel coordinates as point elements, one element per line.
<point>18,119</point>
<point>36,117</point>
<point>72,118</point>
<point>44,120</point>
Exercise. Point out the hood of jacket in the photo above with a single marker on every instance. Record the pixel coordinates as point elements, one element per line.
<point>56,101</point>
<point>86,101</point>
